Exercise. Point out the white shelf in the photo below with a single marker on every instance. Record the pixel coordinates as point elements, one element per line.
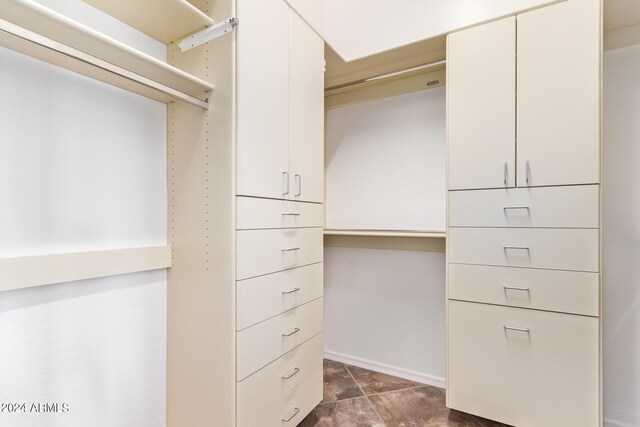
<point>32,29</point>
<point>386,233</point>
<point>165,20</point>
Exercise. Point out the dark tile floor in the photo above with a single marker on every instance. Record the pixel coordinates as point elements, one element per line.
<point>357,397</point>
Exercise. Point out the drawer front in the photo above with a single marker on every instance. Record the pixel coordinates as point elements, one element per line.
<point>294,406</point>
<point>569,207</point>
<point>255,213</point>
<point>261,252</point>
<point>548,376</point>
<point>553,290</point>
<point>263,343</point>
<point>559,249</point>
<point>263,297</point>
<point>264,388</point>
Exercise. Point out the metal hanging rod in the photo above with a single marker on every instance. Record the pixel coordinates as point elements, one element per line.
<point>387,75</point>
<point>24,36</point>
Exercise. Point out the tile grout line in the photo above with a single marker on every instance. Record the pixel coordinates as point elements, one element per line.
<point>365,396</point>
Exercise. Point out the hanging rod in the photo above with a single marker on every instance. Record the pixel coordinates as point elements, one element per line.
<point>387,75</point>
<point>22,36</point>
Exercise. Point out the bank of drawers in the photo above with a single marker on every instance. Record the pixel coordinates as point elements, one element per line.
<point>279,310</point>
<point>524,301</point>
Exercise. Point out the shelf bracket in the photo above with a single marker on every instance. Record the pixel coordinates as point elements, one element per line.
<point>208,34</point>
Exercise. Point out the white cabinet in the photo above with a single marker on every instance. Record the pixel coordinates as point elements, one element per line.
<point>262,144</point>
<point>280,144</point>
<point>559,94</point>
<point>306,148</point>
<point>481,85</point>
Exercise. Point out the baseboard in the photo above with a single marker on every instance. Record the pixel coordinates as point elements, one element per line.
<point>608,422</point>
<point>420,377</point>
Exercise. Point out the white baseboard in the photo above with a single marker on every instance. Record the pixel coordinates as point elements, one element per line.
<point>608,422</point>
<point>420,377</point>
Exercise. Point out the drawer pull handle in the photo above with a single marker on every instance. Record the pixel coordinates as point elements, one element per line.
<point>513,328</point>
<point>290,214</point>
<point>291,375</point>
<point>508,208</point>
<point>295,331</point>
<point>513,288</point>
<point>291,291</point>
<point>285,178</point>
<point>290,249</point>
<point>295,412</point>
<point>516,248</point>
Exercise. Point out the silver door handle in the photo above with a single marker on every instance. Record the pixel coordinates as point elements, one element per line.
<point>291,375</point>
<point>513,328</point>
<point>527,172</point>
<point>291,291</point>
<point>295,331</point>
<point>506,173</point>
<point>520,248</point>
<point>299,181</point>
<point>295,412</point>
<point>285,177</point>
<point>508,208</point>
<point>513,288</point>
<point>290,214</point>
<point>290,249</point>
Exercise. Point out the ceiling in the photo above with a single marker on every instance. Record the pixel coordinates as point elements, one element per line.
<point>621,13</point>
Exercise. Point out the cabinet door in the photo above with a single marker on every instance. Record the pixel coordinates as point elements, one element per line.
<point>306,146</point>
<point>263,98</point>
<point>559,94</point>
<point>481,90</point>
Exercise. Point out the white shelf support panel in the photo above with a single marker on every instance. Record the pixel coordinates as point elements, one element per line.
<point>37,31</point>
<point>29,271</point>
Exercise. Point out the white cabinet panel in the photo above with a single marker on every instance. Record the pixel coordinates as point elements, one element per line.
<point>262,98</point>
<point>571,207</point>
<point>554,290</point>
<point>264,388</point>
<point>545,374</point>
<point>559,249</point>
<point>256,213</point>
<point>481,90</point>
<point>306,147</point>
<point>263,297</point>
<point>261,252</point>
<point>263,343</point>
<point>559,94</point>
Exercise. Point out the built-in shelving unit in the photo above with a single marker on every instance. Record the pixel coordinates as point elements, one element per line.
<point>165,20</point>
<point>32,29</point>
<point>386,233</point>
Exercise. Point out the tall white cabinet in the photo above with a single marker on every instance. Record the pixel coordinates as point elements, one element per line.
<point>523,281</point>
<point>246,303</point>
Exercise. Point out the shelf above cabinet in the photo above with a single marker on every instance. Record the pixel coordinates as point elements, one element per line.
<point>34,30</point>
<point>165,20</point>
<point>386,233</point>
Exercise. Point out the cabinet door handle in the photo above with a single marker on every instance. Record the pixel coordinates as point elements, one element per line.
<point>291,291</point>
<point>295,412</point>
<point>285,178</point>
<point>513,328</point>
<point>299,181</point>
<point>506,174</point>
<point>291,375</point>
<point>290,214</point>
<point>517,248</point>
<point>288,334</point>
<point>527,172</point>
<point>508,208</point>
<point>290,249</point>
<point>513,288</point>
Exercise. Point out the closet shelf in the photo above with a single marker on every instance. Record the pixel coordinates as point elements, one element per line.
<point>34,30</point>
<point>165,20</point>
<point>386,233</point>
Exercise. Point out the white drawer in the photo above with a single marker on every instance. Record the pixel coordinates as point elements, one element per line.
<point>559,249</point>
<point>263,343</point>
<point>255,213</point>
<point>263,297</point>
<point>570,207</point>
<point>264,388</point>
<point>553,290</point>
<point>547,377</point>
<point>267,251</point>
<point>294,406</point>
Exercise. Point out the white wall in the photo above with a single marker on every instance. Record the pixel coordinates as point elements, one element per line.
<point>385,163</point>
<point>621,236</point>
<point>385,309</point>
<point>83,167</point>
<point>359,28</point>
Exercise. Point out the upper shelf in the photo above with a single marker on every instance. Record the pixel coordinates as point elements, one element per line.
<point>165,20</point>
<point>32,29</point>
